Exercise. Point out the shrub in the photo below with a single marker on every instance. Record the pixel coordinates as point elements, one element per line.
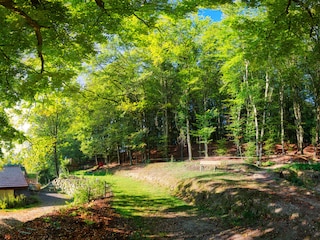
<point>89,189</point>
<point>222,147</point>
<point>269,146</point>
<point>250,149</point>
<point>3,204</point>
<point>19,201</point>
<point>268,163</point>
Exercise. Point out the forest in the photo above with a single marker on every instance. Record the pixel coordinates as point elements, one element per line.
<point>114,81</point>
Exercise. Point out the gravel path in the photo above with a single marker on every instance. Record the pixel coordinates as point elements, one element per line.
<point>49,203</point>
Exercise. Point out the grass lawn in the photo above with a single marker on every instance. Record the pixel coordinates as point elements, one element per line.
<point>136,198</point>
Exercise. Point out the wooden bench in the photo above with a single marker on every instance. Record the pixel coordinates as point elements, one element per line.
<point>209,163</point>
<point>222,161</point>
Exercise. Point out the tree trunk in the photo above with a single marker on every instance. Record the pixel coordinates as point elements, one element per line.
<point>255,111</point>
<point>55,156</point>
<point>165,118</point>
<point>205,140</point>
<point>96,159</point>
<point>206,149</point>
<point>266,93</point>
<point>166,131</point>
<point>118,155</point>
<point>299,128</point>
<point>316,140</point>
<point>238,142</point>
<point>256,124</point>
<point>199,146</point>
<point>130,157</point>
<point>55,146</point>
<point>282,117</point>
<point>189,140</point>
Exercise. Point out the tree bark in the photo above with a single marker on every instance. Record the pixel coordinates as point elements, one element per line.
<point>266,93</point>
<point>118,154</point>
<point>254,108</point>
<point>238,141</point>
<point>189,140</point>
<point>317,131</point>
<point>281,93</point>
<point>55,146</point>
<point>299,128</point>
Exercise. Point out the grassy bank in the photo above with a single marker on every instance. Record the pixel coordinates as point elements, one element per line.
<point>238,196</point>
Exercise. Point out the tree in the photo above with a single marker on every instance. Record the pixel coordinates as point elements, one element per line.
<point>205,129</point>
<point>40,38</point>
<point>47,135</point>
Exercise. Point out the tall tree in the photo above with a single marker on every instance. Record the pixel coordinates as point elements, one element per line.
<point>47,135</point>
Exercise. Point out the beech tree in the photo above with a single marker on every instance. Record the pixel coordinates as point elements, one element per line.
<point>150,73</point>
<point>39,38</point>
<point>48,140</point>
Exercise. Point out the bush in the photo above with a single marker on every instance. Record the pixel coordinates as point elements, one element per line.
<point>250,149</point>
<point>302,174</point>
<point>250,152</point>
<point>19,201</point>
<point>269,146</point>
<point>89,189</point>
<point>222,147</point>
<point>268,163</point>
<point>3,204</point>
<point>303,166</point>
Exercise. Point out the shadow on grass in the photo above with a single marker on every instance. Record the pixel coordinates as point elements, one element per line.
<point>135,205</point>
<point>230,214</point>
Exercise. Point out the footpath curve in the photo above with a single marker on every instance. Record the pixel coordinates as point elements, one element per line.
<point>49,203</point>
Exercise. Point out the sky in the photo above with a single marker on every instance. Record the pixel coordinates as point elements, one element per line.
<point>215,15</point>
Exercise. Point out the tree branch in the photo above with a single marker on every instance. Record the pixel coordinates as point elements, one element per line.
<point>5,55</point>
<point>31,22</point>
<point>288,5</point>
<point>142,20</point>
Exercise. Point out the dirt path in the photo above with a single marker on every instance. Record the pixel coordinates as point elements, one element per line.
<point>294,212</point>
<point>49,203</point>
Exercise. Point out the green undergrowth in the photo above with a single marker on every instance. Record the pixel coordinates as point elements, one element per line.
<point>303,166</point>
<point>18,202</point>
<point>301,174</point>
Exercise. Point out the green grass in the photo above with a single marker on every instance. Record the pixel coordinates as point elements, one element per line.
<point>295,174</point>
<point>137,198</point>
<point>139,201</point>
<point>303,166</point>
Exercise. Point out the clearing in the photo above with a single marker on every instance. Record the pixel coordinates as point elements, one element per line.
<point>237,201</point>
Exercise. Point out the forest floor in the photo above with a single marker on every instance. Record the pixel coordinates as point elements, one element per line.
<point>292,212</point>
